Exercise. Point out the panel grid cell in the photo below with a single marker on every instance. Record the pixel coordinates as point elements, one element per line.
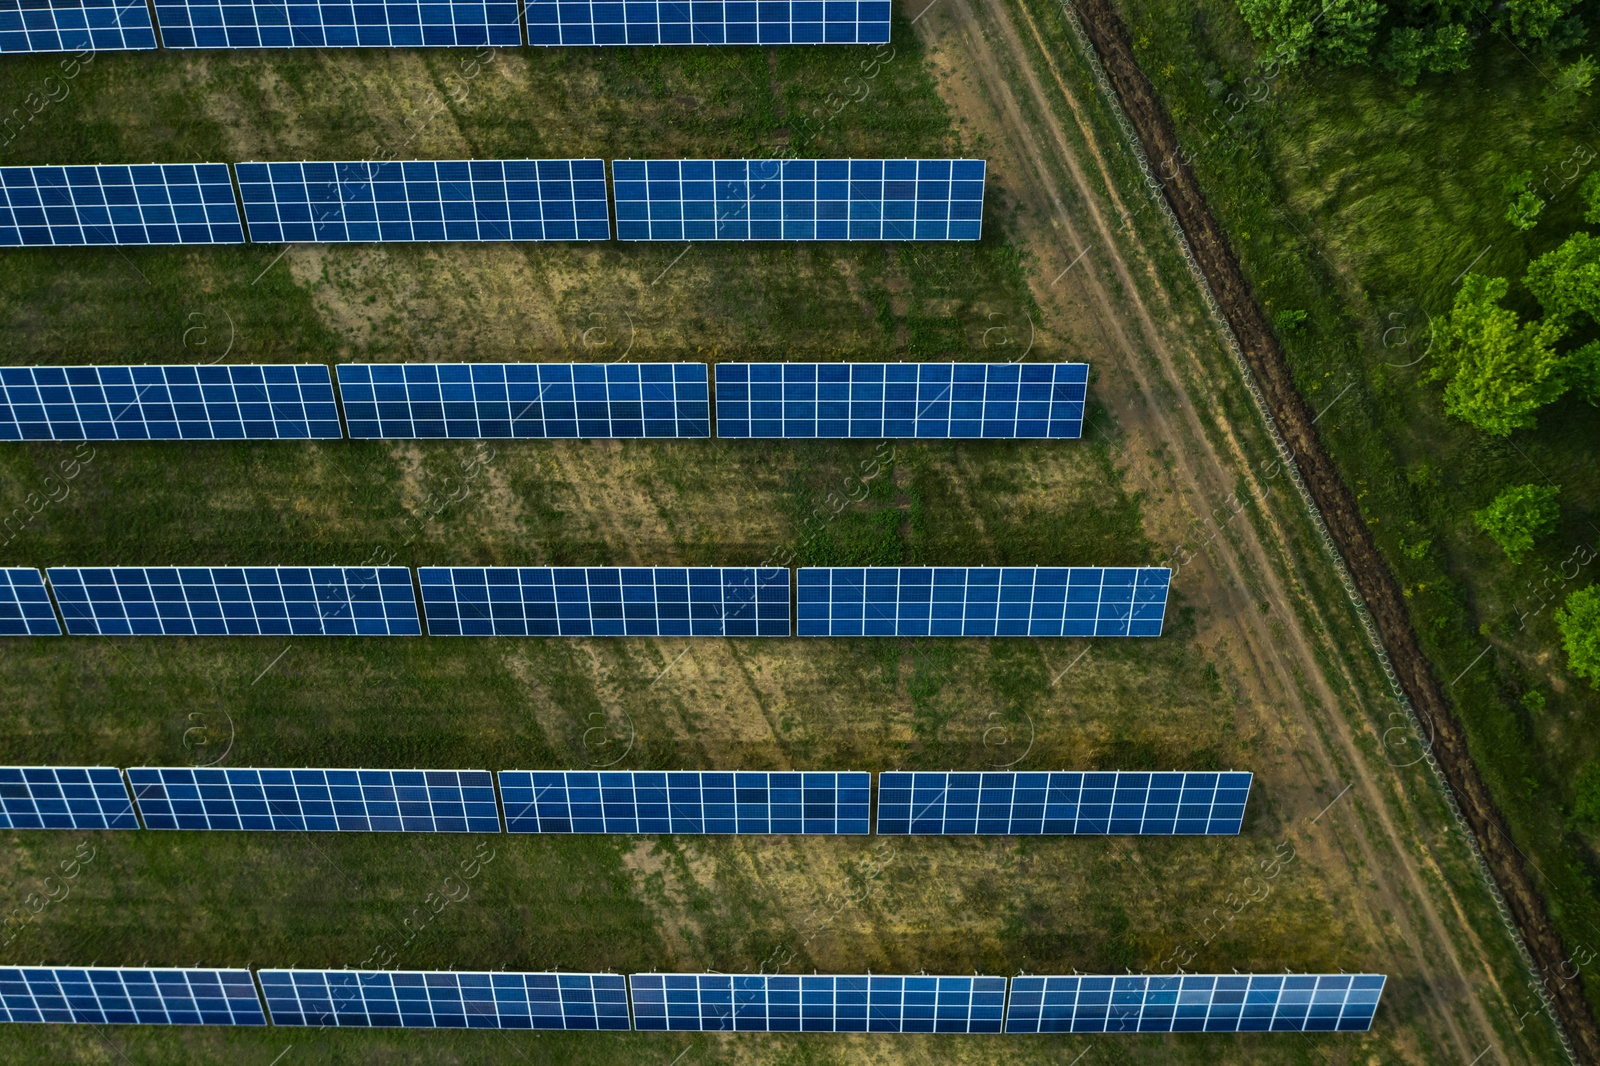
<point>425,200</point>
<point>525,400</point>
<point>1022,803</point>
<point>104,995</point>
<point>781,1004</point>
<point>798,199</point>
<point>155,203</point>
<point>338,23</point>
<point>236,601</point>
<point>1194,1003</point>
<point>75,26</point>
<point>686,801</point>
<point>64,797</point>
<point>982,601</point>
<point>440,999</point>
<point>881,400</point>
<point>168,402</point>
<point>605,601</point>
<point>25,609</point>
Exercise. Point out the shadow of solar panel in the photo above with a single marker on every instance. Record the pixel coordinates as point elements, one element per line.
<point>424,200</point>
<point>686,801</point>
<point>1003,601</point>
<point>157,203</point>
<point>75,26</point>
<point>1022,803</point>
<point>236,601</point>
<point>994,401</point>
<point>25,609</point>
<point>1234,1003</point>
<point>798,199</point>
<point>780,1004</point>
<point>525,400</point>
<point>331,24</point>
<point>105,995</point>
<point>439,999</point>
<point>551,22</point>
<point>317,801</point>
<point>605,601</point>
<point>169,402</point>
<point>64,797</point>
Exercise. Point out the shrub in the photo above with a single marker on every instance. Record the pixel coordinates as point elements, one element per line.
<point>1519,516</point>
<point>1579,622</point>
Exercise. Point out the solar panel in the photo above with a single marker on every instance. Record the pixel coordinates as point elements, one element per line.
<point>438,999</point>
<point>236,601</point>
<point>118,995</point>
<point>780,1004</point>
<point>686,801</point>
<point>552,22</point>
<point>878,400</point>
<point>332,24</point>
<point>157,203</point>
<point>1194,1004</point>
<point>74,26</point>
<point>322,801</point>
<point>538,400</point>
<point>25,609</point>
<point>1033,804</point>
<point>798,199</point>
<point>423,200</point>
<point>64,797</point>
<point>982,601</point>
<point>168,402</point>
<point>605,601</point>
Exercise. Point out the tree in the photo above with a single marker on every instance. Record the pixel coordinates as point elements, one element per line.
<point>1519,516</point>
<point>1412,52</point>
<point>1498,371</point>
<point>1582,371</point>
<point>1339,31</point>
<point>1590,191</point>
<point>1566,280</point>
<point>1579,622</point>
<point>1571,82</point>
<point>1526,204</point>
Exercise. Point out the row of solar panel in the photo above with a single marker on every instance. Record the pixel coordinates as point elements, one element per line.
<point>768,1003</point>
<point>830,803</point>
<point>577,601</point>
<point>492,200</point>
<point>995,401</point>
<point>124,25</point>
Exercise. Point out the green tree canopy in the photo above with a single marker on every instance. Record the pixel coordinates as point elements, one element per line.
<point>1566,280</point>
<point>1497,370</point>
<point>1519,516</point>
<point>1579,622</point>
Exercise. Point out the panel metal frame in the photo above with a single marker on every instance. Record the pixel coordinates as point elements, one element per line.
<point>75,26</point>
<point>775,1003</point>
<point>1194,1003</point>
<point>441,999</point>
<point>65,797</point>
<point>190,24</point>
<point>25,607</point>
<point>116,204</point>
<point>129,995</point>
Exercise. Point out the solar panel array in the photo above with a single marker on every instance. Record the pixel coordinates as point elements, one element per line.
<point>155,203</point>
<point>553,22</point>
<point>236,601</point>
<point>1051,803</point>
<point>798,199</point>
<point>1194,1004</point>
<point>779,1004</point>
<point>64,797</point>
<point>168,402</point>
<point>105,995</point>
<point>335,24</point>
<point>74,26</point>
<point>424,200</point>
<point>981,601</point>
<point>539,400</point>
<point>345,801</point>
<point>605,601</point>
<point>923,400</point>
<point>25,609</point>
<point>686,801</point>
<point>436,999</point>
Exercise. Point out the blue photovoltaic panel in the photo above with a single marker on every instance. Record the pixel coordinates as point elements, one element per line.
<point>236,601</point>
<point>878,400</point>
<point>452,200</point>
<point>25,609</point>
<point>342,801</point>
<point>64,797</point>
<point>798,199</point>
<point>553,22</point>
<point>1194,1004</point>
<point>438,999</point>
<point>686,801</point>
<point>74,26</point>
<point>538,400</point>
<point>605,601</point>
<point>337,23</point>
<point>173,402</point>
<point>106,995</point>
<point>982,601</point>
<point>779,1004</point>
<point>157,203</point>
<point>1030,804</point>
